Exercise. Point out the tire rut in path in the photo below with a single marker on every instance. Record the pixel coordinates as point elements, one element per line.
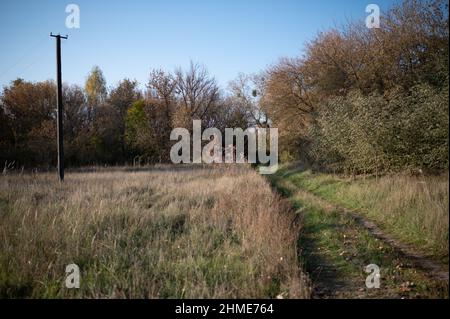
<point>433,269</point>
<point>419,260</point>
<point>327,280</point>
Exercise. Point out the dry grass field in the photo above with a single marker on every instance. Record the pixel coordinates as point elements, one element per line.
<point>156,233</point>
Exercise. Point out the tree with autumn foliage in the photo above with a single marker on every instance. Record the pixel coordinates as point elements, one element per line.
<point>367,100</point>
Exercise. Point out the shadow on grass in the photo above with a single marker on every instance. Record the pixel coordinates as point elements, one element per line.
<point>326,279</point>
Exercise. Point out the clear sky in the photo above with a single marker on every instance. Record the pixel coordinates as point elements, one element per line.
<point>128,38</point>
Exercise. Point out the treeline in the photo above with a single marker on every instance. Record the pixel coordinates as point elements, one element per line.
<point>358,100</point>
<point>118,126</point>
<point>367,100</point>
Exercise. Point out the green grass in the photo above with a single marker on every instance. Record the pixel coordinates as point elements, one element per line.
<point>336,250</point>
<point>412,209</point>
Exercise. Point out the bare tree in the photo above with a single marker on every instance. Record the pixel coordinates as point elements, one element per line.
<point>246,91</point>
<point>198,91</point>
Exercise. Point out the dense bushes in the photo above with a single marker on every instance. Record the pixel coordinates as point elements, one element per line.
<point>373,133</point>
<point>368,100</point>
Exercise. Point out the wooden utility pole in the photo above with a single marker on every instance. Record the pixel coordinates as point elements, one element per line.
<point>60,107</point>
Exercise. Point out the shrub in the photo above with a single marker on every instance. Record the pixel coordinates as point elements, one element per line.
<point>373,133</point>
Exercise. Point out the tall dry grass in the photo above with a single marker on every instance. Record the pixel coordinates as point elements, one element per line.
<point>415,208</point>
<point>162,233</point>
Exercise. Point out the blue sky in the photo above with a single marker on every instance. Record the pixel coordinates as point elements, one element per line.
<point>128,38</point>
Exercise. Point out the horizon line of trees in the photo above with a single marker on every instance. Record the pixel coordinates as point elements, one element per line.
<point>119,126</point>
<point>358,100</point>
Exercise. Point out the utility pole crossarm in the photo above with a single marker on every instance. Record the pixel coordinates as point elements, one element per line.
<point>59,36</point>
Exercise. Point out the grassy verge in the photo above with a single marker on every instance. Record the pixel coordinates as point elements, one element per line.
<point>336,250</point>
<point>187,233</point>
<point>413,209</point>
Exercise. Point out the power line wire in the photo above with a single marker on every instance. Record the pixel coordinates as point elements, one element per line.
<point>22,57</point>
